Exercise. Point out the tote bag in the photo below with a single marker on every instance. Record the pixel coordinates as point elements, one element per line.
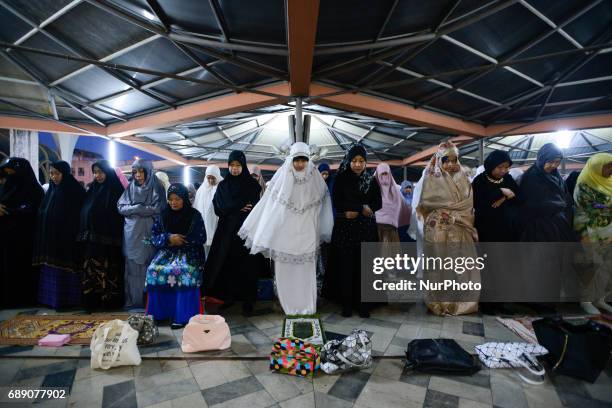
<point>114,344</point>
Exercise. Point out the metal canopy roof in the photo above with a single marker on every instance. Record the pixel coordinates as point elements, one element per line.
<point>105,62</point>
<point>260,133</point>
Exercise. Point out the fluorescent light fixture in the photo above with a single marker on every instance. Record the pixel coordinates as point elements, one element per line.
<point>186,175</point>
<point>112,153</point>
<point>563,138</point>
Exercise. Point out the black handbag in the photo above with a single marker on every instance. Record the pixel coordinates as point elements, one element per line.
<point>440,356</point>
<point>575,350</point>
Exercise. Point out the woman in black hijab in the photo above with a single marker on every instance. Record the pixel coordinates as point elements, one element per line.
<point>55,245</point>
<point>356,197</point>
<point>101,231</point>
<point>546,212</point>
<point>228,274</point>
<point>496,200</point>
<point>175,273</point>
<point>20,197</point>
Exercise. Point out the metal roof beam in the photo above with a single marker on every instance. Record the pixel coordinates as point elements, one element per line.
<point>50,118</point>
<point>133,69</point>
<point>109,57</point>
<point>510,56</point>
<point>81,53</point>
<point>302,17</point>
<point>259,68</point>
<point>490,9</point>
<point>557,79</point>
<point>48,21</point>
<point>218,14</point>
<point>17,81</point>
<point>603,48</point>
<point>548,21</point>
<point>32,72</point>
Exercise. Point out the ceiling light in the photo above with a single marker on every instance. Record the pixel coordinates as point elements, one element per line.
<point>563,138</point>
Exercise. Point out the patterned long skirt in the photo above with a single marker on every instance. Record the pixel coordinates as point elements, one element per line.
<point>103,277</point>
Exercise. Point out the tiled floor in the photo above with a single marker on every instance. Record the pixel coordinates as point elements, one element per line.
<point>242,383</point>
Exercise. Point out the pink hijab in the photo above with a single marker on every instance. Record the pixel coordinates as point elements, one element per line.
<point>393,204</point>
<point>124,181</point>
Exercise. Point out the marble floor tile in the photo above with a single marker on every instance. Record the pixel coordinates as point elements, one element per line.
<point>349,386</point>
<point>382,392</point>
<point>460,389</point>
<point>437,399</point>
<point>120,395</point>
<point>232,390</point>
<point>167,392</point>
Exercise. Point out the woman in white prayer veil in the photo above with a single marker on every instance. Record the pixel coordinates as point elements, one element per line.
<point>203,203</point>
<point>288,224</point>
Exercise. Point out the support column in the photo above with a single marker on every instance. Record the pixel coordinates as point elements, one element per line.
<point>24,144</point>
<point>405,172</point>
<point>65,143</point>
<point>481,152</point>
<point>299,124</point>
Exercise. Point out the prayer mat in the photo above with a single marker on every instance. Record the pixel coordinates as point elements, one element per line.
<point>522,326</point>
<point>307,328</point>
<point>26,330</point>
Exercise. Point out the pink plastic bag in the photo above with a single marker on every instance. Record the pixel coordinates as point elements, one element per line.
<point>206,332</point>
<point>54,340</point>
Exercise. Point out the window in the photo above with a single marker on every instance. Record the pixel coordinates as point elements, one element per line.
<point>81,172</point>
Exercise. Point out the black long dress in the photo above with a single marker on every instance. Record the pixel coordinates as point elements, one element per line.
<point>546,212</point>
<point>21,194</point>
<point>495,224</point>
<point>229,276</point>
<point>101,232</point>
<point>343,273</point>
<point>55,244</point>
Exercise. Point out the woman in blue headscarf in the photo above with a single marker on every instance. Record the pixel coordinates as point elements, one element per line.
<point>142,201</point>
<point>546,211</point>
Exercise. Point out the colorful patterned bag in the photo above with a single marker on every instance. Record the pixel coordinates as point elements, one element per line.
<point>294,357</point>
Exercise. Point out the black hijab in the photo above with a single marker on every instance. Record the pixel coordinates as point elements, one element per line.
<point>100,221</point>
<point>179,221</point>
<point>494,159</point>
<point>365,178</point>
<point>21,189</point>
<point>234,192</point>
<point>58,221</point>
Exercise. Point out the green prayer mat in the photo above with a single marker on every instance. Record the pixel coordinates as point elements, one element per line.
<point>307,328</point>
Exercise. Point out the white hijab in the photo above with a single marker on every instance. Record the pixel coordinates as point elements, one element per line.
<point>203,202</point>
<point>293,216</point>
<point>164,179</point>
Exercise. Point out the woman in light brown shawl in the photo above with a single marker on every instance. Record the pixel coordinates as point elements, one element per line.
<point>446,208</point>
<point>258,176</point>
